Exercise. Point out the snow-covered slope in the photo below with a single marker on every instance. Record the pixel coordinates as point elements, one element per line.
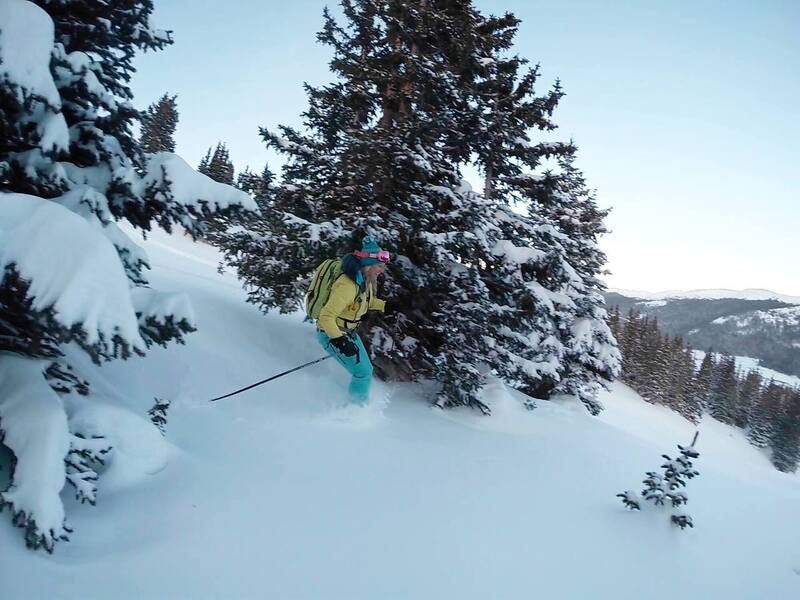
<point>277,493</point>
<point>746,294</point>
<point>780,317</point>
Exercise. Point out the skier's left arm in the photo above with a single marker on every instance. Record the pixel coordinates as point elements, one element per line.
<point>377,304</point>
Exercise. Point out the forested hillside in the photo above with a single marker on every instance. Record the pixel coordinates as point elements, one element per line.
<point>768,330</point>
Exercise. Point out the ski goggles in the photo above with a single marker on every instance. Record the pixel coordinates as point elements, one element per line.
<point>383,256</point>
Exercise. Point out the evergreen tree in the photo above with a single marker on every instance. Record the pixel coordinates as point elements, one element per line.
<point>204,162</point>
<point>632,345</point>
<point>258,187</point>
<point>86,457</point>
<point>665,488</point>
<point>657,367</point>
<point>69,170</point>
<point>615,324</point>
<point>723,393</point>
<point>702,380</point>
<point>682,382</point>
<point>763,415</point>
<point>563,223</point>
<point>158,414</point>
<point>785,441</point>
<point>592,357</point>
<point>217,165</point>
<point>749,394</point>
<point>159,122</point>
<point>655,356</point>
<point>475,283</point>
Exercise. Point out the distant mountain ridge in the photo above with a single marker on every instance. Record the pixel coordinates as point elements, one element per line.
<point>710,294</point>
<point>757,323</point>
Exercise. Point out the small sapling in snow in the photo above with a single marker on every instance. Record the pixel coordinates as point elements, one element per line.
<point>666,488</point>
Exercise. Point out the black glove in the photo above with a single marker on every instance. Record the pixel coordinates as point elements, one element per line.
<point>389,307</point>
<point>344,345</point>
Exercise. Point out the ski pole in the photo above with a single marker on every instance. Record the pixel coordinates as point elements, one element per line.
<point>308,364</point>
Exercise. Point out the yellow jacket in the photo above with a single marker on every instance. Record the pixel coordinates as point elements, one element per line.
<point>346,305</point>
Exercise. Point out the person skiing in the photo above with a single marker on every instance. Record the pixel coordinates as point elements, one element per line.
<point>352,294</point>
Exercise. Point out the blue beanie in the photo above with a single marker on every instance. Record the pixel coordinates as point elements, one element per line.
<point>368,244</point>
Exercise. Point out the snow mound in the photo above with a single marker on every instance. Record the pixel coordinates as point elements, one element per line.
<point>138,448</point>
<point>509,414</point>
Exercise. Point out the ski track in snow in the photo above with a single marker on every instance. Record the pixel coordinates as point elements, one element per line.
<point>283,492</point>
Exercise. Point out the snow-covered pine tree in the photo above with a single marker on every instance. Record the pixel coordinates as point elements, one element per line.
<point>660,358</point>
<point>691,407</point>
<point>648,359</point>
<point>702,380</point>
<point>659,368</point>
<point>666,488</point>
<point>202,167</point>
<point>70,169</point>
<point>561,202</point>
<point>723,392</point>
<point>217,165</point>
<point>86,456</point>
<point>159,122</point>
<point>785,441</point>
<point>235,234</point>
<point>681,372</point>
<point>615,324</point>
<point>158,414</point>
<point>648,385</point>
<point>524,317</point>
<point>380,154</point>
<point>258,187</point>
<point>670,394</point>
<point>632,346</point>
<point>571,348</point>
<point>749,393</point>
<point>763,415</point>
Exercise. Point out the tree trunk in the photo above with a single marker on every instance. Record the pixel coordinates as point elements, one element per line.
<point>488,183</point>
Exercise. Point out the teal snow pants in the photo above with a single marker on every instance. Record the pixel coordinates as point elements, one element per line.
<point>358,366</point>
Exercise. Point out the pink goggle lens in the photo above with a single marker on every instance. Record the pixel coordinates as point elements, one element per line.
<point>383,256</point>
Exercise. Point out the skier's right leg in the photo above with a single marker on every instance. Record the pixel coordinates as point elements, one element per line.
<point>359,366</point>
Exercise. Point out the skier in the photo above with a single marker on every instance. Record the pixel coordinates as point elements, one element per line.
<point>352,294</point>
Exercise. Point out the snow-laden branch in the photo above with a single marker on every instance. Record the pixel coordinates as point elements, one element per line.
<point>71,266</point>
<point>190,188</point>
<point>33,421</point>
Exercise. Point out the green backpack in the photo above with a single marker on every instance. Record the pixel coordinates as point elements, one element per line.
<point>320,288</point>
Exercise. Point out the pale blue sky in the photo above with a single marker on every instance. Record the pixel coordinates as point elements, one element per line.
<point>685,113</point>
